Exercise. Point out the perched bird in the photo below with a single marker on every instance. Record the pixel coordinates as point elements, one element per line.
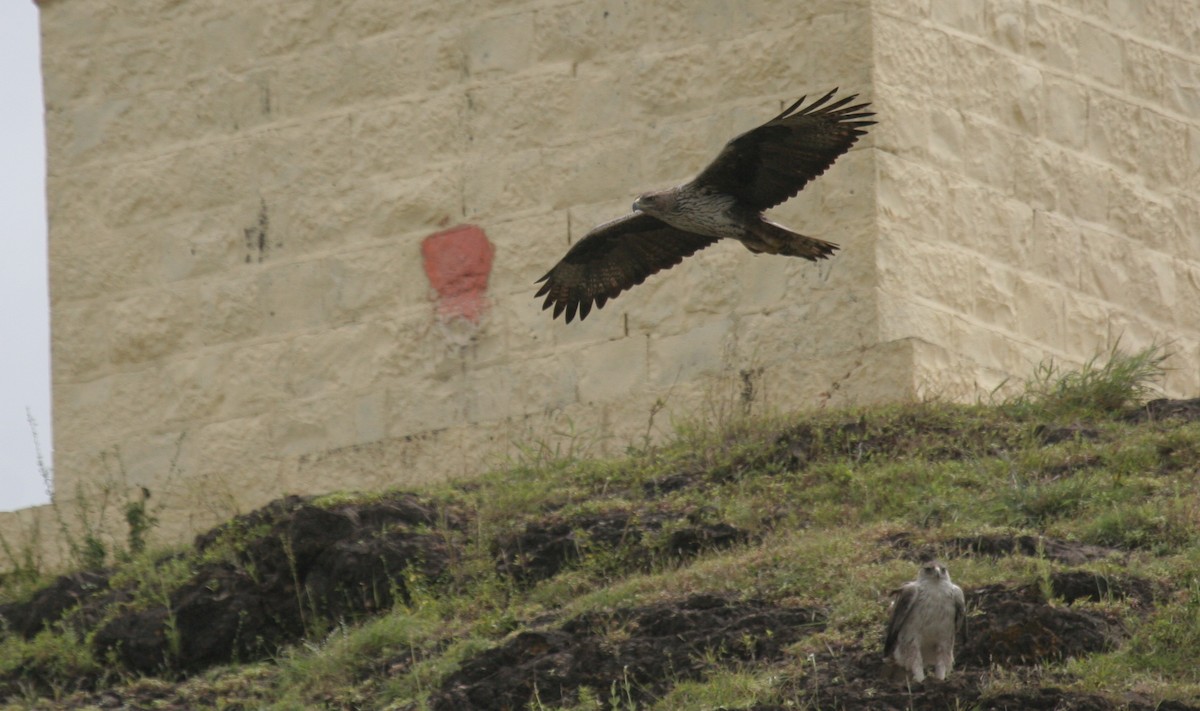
<point>926,615</point>
<point>757,170</point>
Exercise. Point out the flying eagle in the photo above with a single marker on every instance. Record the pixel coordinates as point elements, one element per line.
<point>926,615</point>
<point>756,171</point>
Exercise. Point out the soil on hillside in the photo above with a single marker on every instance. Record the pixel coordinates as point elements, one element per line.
<point>295,569</point>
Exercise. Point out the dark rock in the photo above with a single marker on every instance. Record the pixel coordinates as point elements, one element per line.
<point>1075,585</point>
<point>1017,626</point>
<point>262,580</point>
<point>52,602</point>
<point>1048,435</point>
<point>549,545</point>
<point>1163,408</point>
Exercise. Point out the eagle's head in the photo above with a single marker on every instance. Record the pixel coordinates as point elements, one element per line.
<point>933,571</point>
<point>655,204</point>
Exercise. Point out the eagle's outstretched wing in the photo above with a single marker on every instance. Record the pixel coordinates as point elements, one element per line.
<point>770,164</point>
<point>613,257</point>
<point>901,608</point>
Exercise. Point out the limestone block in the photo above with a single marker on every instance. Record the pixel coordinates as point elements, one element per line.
<point>332,77</point>
<point>105,407</point>
<point>992,287</point>
<point>150,460</point>
<point>904,49</point>
<point>1162,151</point>
<point>502,184</point>
<point>966,17</point>
<point>376,278</point>
<point>840,195</point>
<point>205,242</point>
<point>365,18</point>
<point>202,177</point>
<point>1083,188</point>
<point>1090,328</point>
<point>1053,37</point>
<point>84,215</point>
<point>295,295</point>
<point>523,111</point>
<point>591,169</point>
<point>526,248</point>
<point>227,311</point>
<point>931,270</point>
<point>674,80</point>
<point>566,32</point>
<point>1161,20</point>
<point>1106,274</point>
<point>703,282</point>
<point>400,206</point>
<point>295,28</point>
<point>1182,376</point>
<point>1065,111</point>
<point>1146,72</point>
<point>255,378</point>
<point>908,196</point>
<point>92,124</point>
<point>946,138</point>
<point>398,136</point>
<point>1037,177</point>
<point>989,221</point>
<point>1114,131</point>
<point>1147,217</point>
<point>500,43</point>
<point>102,263</point>
<point>78,351</point>
<point>673,150</point>
<point>489,394</point>
<point>980,79</point>
<point>912,9</point>
<point>179,391</point>
<point>304,429</point>
<point>1004,22</point>
<point>800,327</point>
<point>82,423</point>
<point>148,325</point>
<point>1055,250</point>
<point>1193,170</point>
<point>216,474</point>
<point>683,357</point>
<point>906,132</point>
<point>1182,84</point>
<point>835,31</point>
<point>1101,55</point>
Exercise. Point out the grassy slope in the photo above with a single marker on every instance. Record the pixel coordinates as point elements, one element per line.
<point>825,499</point>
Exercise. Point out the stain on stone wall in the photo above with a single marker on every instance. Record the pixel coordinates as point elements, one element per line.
<point>458,262</point>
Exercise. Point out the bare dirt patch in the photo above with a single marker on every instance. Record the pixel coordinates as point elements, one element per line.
<point>548,545</point>
<point>644,649</point>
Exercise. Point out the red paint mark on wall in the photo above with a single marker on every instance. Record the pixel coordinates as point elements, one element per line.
<point>458,262</point>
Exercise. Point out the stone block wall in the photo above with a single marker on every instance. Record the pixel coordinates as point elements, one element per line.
<point>1039,186</point>
<point>242,197</point>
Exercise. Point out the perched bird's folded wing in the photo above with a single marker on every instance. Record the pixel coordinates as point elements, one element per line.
<point>770,164</point>
<point>613,257</point>
<point>960,614</point>
<point>901,609</point>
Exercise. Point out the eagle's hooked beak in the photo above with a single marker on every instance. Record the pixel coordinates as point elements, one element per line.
<point>637,205</point>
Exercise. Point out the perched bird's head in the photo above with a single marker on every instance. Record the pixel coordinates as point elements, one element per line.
<point>655,204</point>
<point>933,571</point>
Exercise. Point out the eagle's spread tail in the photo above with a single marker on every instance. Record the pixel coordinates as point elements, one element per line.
<point>774,238</point>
